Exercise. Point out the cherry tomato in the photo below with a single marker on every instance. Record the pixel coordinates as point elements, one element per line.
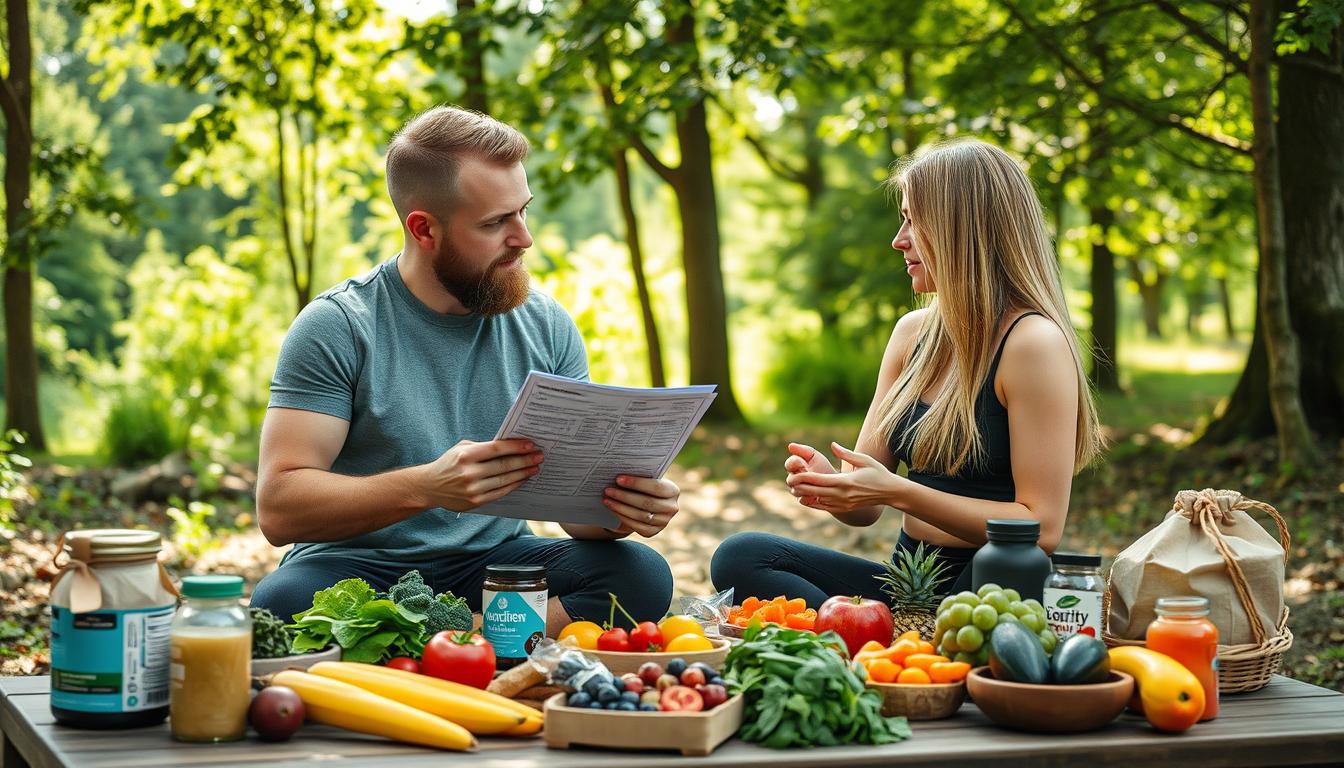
<point>463,658</point>
<point>614,640</point>
<point>693,676</point>
<point>405,663</point>
<point>679,698</point>
<point>646,637</point>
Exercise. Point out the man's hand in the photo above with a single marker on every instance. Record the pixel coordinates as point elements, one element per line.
<point>471,474</point>
<point>644,505</point>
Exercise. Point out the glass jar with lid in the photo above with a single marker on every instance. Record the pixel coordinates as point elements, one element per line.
<point>1073,594</point>
<point>1182,630</point>
<point>212,661</point>
<point>513,611</point>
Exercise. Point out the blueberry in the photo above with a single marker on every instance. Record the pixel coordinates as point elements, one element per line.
<point>618,684</point>
<point>594,685</point>
<point>567,669</point>
<point>675,667</point>
<point>613,705</point>
<point>595,705</point>
<point>648,707</point>
<point>626,706</point>
<point>709,671</point>
<point>607,694</point>
<point>630,696</point>
<point>579,699</point>
<point>716,680</point>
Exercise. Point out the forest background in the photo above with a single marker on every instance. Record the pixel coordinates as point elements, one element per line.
<point>182,176</point>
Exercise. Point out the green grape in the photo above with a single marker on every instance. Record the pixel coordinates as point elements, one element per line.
<point>938,636</point>
<point>1048,640</point>
<point>1035,606</point>
<point>943,621</point>
<point>1006,617</point>
<point>984,617</point>
<point>968,598</point>
<point>970,638</point>
<point>966,658</point>
<point>1018,608</point>
<point>981,656</point>
<point>958,616</point>
<point>1033,622</point>
<point>1013,595</point>
<point>947,601</point>
<point>985,589</point>
<point>996,600</point>
<point>950,643</point>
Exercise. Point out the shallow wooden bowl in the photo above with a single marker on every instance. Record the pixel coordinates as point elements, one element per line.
<point>920,702</point>
<point>621,662</point>
<point>1049,708</point>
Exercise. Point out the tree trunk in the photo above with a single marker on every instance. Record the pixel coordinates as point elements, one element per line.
<point>1296,446</point>
<point>472,33</point>
<point>21,397</point>
<point>1105,347</point>
<point>1194,305</point>
<point>1247,413</point>
<point>1150,296</point>
<point>1225,303</point>
<point>651,341</point>
<point>1311,120</point>
<point>706,304</point>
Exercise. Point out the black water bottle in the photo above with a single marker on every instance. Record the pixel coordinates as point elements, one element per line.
<point>1011,558</point>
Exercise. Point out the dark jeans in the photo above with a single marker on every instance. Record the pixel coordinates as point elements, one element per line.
<point>766,565</point>
<point>580,573</point>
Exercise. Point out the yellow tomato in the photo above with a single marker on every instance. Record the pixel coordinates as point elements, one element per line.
<point>674,626</point>
<point>585,632</point>
<point>688,642</point>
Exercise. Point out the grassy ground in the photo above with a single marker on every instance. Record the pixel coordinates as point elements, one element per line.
<point>733,481</point>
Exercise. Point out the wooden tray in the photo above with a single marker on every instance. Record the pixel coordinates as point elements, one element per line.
<point>691,733</point>
<point>621,662</point>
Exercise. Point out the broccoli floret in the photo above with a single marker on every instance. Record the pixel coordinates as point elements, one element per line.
<point>448,612</point>
<point>409,587</point>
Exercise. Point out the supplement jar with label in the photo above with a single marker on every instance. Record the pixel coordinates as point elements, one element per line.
<point>513,611</point>
<point>111,607</point>
<point>1073,594</point>
<point>212,661</point>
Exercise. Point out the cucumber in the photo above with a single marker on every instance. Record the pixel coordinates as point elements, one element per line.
<point>1016,655</point>
<point>1079,660</point>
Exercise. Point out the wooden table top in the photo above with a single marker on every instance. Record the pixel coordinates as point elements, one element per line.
<point>1286,723</point>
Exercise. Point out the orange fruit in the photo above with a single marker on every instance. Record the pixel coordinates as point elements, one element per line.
<point>676,625</point>
<point>913,676</point>
<point>688,642</point>
<point>585,632</point>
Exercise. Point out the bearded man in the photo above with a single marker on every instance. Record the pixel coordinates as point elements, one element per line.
<point>377,443</point>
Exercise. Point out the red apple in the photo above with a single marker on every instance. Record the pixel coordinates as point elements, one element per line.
<point>857,620</point>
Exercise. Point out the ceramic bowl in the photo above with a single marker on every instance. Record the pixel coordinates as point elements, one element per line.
<point>920,702</point>
<point>1049,708</point>
<point>621,662</point>
<point>298,661</point>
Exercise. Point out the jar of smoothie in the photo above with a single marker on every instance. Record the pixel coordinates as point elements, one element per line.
<point>211,661</point>
<point>1182,630</point>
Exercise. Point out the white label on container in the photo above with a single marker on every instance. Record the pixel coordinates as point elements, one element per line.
<point>1070,611</point>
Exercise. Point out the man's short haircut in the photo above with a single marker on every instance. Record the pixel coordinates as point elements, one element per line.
<point>424,156</point>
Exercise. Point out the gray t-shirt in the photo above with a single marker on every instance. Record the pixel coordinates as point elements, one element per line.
<point>412,383</point>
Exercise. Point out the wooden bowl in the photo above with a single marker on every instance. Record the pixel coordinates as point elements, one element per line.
<point>621,662</point>
<point>920,702</point>
<point>1049,708</point>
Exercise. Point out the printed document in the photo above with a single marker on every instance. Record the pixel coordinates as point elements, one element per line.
<point>589,434</point>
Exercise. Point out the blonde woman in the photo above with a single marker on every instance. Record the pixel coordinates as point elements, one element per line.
<point>981,393</point>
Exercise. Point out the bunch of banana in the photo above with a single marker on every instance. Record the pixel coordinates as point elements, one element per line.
<point>405,706</point>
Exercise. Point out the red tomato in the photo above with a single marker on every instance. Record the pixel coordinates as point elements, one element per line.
<point>404,662</point>
<point>614,640</point>
<point>857,620</point>
<point>679,698</point>
<point>463,658</point>
<point>646,637</point>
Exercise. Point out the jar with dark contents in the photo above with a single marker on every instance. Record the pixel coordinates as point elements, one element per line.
<point>513,611</point>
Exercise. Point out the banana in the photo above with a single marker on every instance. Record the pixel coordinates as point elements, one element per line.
<point>332,702</point>
<point>531,725</point>
<point>475,714</point>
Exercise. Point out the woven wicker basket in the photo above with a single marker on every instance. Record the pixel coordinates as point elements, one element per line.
<point>1245,667</point>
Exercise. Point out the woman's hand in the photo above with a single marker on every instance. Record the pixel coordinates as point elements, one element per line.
<point>644,505</point>
<point>819,486</point>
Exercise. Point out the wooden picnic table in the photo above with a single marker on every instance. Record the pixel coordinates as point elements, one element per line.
<point>1286,723</point>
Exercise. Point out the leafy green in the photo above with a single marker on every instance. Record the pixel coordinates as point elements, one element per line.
<point>800,692</point>
<point>270,637</point>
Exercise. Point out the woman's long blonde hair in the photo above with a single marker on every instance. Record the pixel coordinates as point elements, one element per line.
<point>979,226</point>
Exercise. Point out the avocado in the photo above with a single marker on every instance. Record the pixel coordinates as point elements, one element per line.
<point>1016,655</point>
<point>1080,659</point>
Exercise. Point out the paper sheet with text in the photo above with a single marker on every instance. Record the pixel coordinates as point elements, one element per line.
<point>589,434</point>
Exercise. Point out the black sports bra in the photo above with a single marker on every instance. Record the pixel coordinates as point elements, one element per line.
<point>990,479</point>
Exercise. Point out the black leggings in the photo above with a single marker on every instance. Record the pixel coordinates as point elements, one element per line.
<point>766,565</point>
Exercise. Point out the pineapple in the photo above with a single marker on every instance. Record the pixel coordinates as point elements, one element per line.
<point>912,580</point>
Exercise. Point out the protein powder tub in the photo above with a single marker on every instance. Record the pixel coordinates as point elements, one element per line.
<point>1073,594</point>
<point>513,611</point>
<point>111,608</point>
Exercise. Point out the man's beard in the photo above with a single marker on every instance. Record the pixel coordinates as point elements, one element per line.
<point>492,291</point>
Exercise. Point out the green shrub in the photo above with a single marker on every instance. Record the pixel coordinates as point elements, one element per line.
<point>138,429</point>
<point>825,374</point>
